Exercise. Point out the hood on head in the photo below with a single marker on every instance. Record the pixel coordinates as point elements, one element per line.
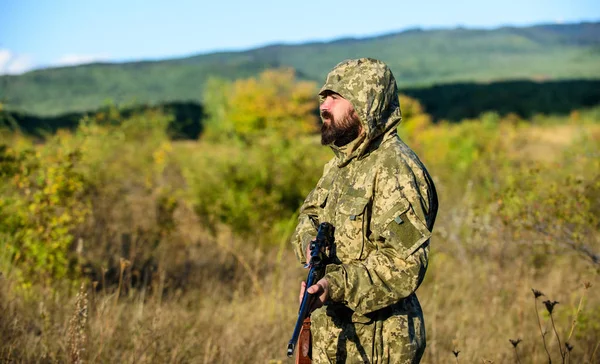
<point>371,88</point>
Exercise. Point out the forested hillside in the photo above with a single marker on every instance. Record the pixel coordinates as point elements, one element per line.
<point>418,58</point>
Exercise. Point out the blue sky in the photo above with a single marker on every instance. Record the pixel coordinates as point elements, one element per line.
<point>41,33</point>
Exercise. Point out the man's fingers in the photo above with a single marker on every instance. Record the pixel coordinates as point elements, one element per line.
<point>314,288</point>
<point>302,288</point>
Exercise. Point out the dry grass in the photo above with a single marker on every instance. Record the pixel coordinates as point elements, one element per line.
<point>472,303</point>
<point>237,299</point>
<point>477,308</point>
<point>545,144</point>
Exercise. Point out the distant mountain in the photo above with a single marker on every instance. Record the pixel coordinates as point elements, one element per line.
<point>417,58</point>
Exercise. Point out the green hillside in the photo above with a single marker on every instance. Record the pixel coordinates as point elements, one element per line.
<point>417,58</point>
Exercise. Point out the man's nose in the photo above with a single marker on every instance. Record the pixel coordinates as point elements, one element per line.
<point>325,105</point>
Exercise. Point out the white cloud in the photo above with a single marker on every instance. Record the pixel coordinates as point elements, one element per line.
<point>5,56</point>
<point>14,64</point>
<point>75,59</point>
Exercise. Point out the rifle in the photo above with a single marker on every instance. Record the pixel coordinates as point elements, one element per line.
<point>317,263</point>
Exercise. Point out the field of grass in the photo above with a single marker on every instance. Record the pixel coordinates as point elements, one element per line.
<point>183,255</point>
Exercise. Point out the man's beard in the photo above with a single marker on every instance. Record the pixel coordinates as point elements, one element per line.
<point>340,132</point>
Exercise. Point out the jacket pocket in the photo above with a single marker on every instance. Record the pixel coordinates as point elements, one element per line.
<point>401,228</point>
<point>350,224</point>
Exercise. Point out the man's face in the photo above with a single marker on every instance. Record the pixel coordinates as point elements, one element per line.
<point>341,124</point>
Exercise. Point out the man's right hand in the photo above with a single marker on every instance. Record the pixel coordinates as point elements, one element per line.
<point>320,289</point>
<point>302,289</point>
<point>303,284</point>
<point>307,256</point>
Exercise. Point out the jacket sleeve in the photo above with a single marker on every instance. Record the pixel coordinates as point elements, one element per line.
<point>397,267</point>
<point>308,222</point>
<point>308,218</point>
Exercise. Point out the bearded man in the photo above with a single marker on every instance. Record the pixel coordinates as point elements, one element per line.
<point>382,203</point>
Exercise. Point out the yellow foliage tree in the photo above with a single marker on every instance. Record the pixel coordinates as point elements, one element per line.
<point>275,101</point>
<point>414,117</point>
<point>415,121</point>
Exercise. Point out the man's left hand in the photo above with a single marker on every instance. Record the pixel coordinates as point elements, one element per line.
<point>321,292</point>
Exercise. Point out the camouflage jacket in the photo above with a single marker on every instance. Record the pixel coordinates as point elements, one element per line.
<point>377,194</point>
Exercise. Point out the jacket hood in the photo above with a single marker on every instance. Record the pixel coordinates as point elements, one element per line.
<point>371,88</point>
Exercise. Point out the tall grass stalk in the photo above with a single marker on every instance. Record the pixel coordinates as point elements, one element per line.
<point>537,294</point>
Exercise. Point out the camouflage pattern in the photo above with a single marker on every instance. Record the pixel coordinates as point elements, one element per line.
<point>383,204</point>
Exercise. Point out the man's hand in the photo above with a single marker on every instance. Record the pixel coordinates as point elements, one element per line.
<point>320,290</point>
<point>308,252</point>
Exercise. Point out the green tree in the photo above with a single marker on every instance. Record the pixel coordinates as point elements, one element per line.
<point>275,101</point>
